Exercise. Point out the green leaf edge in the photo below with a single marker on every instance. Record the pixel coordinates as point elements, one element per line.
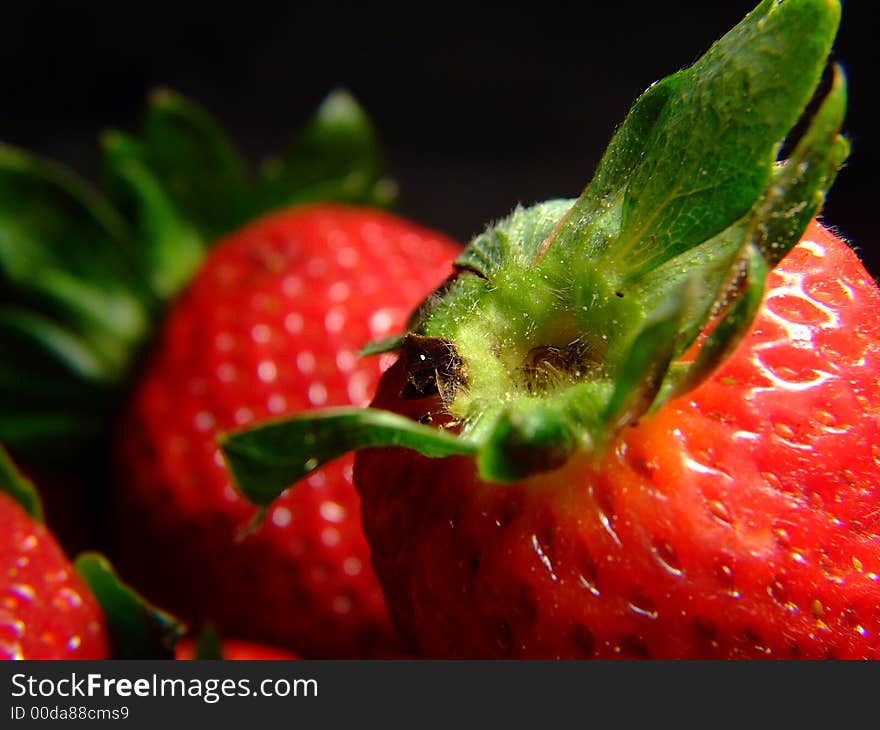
<point>138,629</point>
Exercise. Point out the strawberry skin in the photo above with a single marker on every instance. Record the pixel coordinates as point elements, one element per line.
<point>271,325</point>
<point>46,611</point>
<point>739,521</point>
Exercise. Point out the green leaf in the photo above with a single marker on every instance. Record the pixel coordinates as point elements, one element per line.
<point>73,310</point>
<point>169,247</point>
<point>640,373</point>
<point>138,629</point>
<point>801,182</point>
<point>745,295</point>
<point>267,459</point>
<point>698,149</point>
<point>209,645</point>
<point>19,487</point>
<point>66,251</point>
<point>336,157</point>
<point>189,155</point>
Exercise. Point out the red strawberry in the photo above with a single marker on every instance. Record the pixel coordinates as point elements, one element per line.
<point>46,610</point>
<point>654,448</point>
<point>52,609</point>
<point>739,521</point>
<point>146,327</point>
<point>270,326</point>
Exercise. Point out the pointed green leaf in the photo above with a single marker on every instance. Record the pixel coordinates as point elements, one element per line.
<point>336,157</point>
<point>208,645</point>
<point>640,374</point>
<point>801,182</point>
<point>170,248</point>
<point>698,149</point>
<point>735,320</point>
<point>73,310</point>
<point>269,458</point>
<point>138,629</point>
<point>19,487</point>
<point>189,155</point>
<point>64,248</point>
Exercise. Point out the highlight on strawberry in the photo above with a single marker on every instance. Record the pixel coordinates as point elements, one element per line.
<point>643,423</point>
<point>190,297</point>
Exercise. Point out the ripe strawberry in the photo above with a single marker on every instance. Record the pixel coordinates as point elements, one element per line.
<point>738,521</point>
<point>654,448</point>
<point>46,610</point>
<point>144,327</point>
<point>271,325</point>
<point>52,609</point>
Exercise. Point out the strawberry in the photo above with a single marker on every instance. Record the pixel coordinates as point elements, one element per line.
<point>196,299</point>
<point>270,326</point>
<point>46,610</point>
<point>54,609</point>
<point>643,423</point>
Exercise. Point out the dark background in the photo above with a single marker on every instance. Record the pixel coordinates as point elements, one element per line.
<point>479,108</point>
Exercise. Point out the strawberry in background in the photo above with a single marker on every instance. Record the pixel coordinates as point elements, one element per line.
<point>196,298</point>
<point>52,608</point>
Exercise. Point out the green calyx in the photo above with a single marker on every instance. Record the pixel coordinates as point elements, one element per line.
<point>19,487</point>
<point>85,276</point>
<point>568,320</point>
<point>138,629</point>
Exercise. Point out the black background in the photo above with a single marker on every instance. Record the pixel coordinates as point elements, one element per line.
<point>479,108</point>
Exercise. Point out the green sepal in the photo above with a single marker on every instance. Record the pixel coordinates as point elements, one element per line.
<point>801,182</point>
<point>190,156</point>
<point>698,149</point>
<point>72,305</point>
<point>19,487</point>
<point>745,297</point>
<point>336,157</point>
<point>268,459</point>
<point>640,372</point>
<point>138,629</point>
<point>208,644</point>
<point>170,247</point>
<point>524,440</point>
<point>66,253</point>
<point>380,347</point>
